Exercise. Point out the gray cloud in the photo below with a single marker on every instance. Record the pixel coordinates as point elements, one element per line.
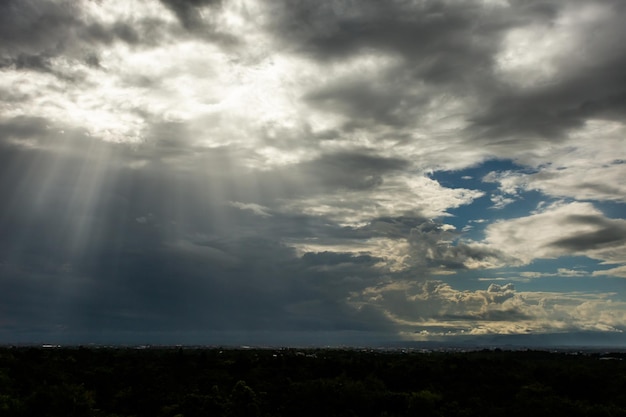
<point>74,252</point>
<point>434,245</point>
<point>266,166</point>
<point>187,10</point>
<point>367,100</point>
<point>454,45</point>
<point>35,31</point>
<point>118,30</point>
<point>432,43</point>
<point>354,170</point>
<point>201,18</point>
<point>561,229</point>
<point>555,108</point>
<point>579,90</point>
<point>608,233</point>
<point>335,29</point>
<point>34,27</point>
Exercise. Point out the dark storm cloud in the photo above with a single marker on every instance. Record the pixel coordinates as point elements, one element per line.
<point>33,27</point>
<point>337,29</point>
<point>368,100</point>
<point>28,62</point>
<point>153,251</point>
<point>197,17</point>
<point>593,88</point>
<point>353,170</point>
<point>436,43</point>
<point>88,244</point>
<point>187,11</point>
<point>23,127</point>
<point>560,106</point>
<point>118,30</point>
<point>453,46</point>
<point>34,31</point>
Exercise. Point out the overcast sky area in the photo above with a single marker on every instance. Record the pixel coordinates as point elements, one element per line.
<point>312,172</point>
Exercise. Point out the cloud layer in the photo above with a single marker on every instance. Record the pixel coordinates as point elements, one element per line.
<point>311,166</point>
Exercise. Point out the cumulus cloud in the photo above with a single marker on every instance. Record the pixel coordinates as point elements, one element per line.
<point>434,308</point>
<point>411,303</point>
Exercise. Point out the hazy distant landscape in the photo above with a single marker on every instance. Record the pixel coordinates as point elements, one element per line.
<point>190,382</point>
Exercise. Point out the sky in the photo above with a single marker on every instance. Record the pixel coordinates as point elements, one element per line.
<point>324,172</point>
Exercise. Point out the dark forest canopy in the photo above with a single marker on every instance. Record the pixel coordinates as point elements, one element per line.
<point>310,382</point>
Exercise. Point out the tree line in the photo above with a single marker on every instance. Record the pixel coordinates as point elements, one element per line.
<point>108,382</point>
